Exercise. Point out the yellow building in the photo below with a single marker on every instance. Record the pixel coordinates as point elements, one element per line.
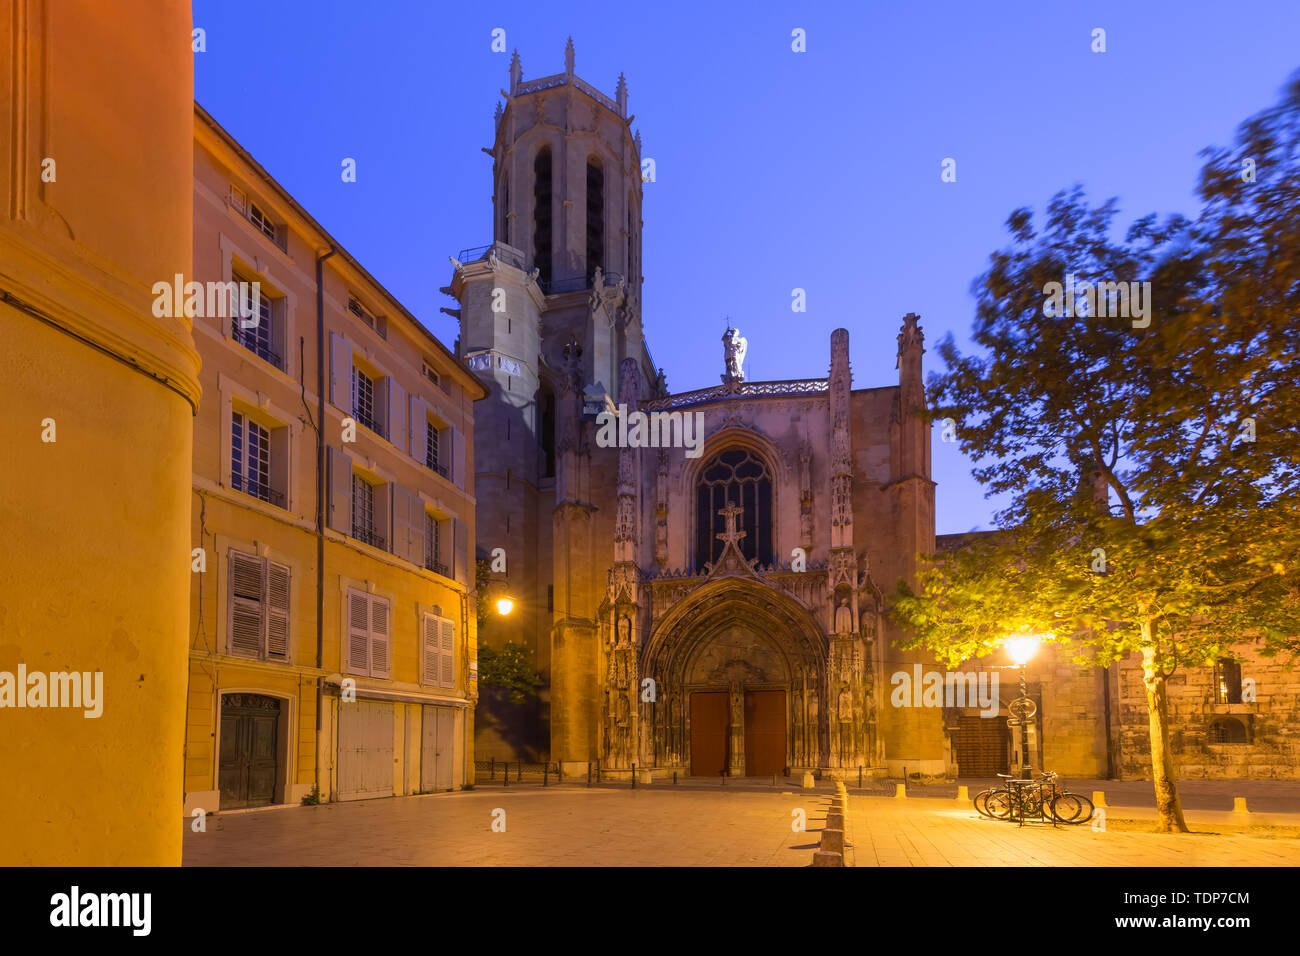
<point>332,634</point>
<point>99,397</point>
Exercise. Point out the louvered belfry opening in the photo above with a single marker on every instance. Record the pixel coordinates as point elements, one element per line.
<point>542,216</point>
<point>739,477</point>
<point>595,218</point>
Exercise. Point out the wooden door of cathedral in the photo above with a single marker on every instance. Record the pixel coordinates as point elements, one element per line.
<point>710,711</point>
<point>764,732</point>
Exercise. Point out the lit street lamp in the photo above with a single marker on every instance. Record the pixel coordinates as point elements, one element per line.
<point>505,604</point>
<point>1021,648</point>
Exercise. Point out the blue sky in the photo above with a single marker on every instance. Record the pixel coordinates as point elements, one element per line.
<point>775,170</point>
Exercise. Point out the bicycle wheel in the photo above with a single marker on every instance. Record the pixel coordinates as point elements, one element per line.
<point>980,801</point>
<point>1072,808</point>
<point>999,804</point>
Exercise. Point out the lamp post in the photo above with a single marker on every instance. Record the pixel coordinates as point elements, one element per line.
<point>1021,648</point>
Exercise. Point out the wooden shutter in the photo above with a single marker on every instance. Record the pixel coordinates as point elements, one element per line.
<point>239,200</point>
<point>245,604</point>
<point>396,412</point>
<point>340,373</point>
<point>340,489</point>
<point>419,445</point>
<point>448,652</point>
<point>415,528</point>
<point>460,563</point>
<point>431,659</point>
<point>406,536</point>
<point>379,642</point>
<point>277,612</point>
<point>358,632</point>
<point>457,458</point>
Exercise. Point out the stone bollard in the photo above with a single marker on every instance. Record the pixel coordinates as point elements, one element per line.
<point>963,793</point>
<point>644,776</point>
<point>900,791</point>
<point>1099,798</point>
<point>808,782</point>
<point>1239,805</point>
<point>822,858</point>
<point>834,821</point>
<point>774,783</point>
<point>833,841</point>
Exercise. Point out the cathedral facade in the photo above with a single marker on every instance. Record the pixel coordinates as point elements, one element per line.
<point>704,594</point>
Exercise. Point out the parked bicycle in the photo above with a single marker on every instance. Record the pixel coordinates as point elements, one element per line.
<point>1043,798</point>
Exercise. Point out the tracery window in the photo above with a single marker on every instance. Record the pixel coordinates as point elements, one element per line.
<point>741,478</point>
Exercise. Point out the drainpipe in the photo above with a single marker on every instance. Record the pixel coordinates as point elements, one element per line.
<point>320,493</point>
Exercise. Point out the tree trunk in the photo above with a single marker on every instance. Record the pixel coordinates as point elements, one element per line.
<point>1163,775</point>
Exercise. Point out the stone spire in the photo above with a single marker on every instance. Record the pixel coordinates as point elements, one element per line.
<point>516,72</point>
<point>620,94</point>
<point>568,57</point>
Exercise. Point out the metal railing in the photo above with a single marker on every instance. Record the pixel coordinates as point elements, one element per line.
<point>370,423</point>
<point>248,339</point>
<point>436,566</point>
<point>370,537</point>
<point>258,490</point>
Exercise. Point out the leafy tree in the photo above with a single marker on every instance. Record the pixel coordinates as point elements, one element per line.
<point>509,666</point>
<point>1172,448</point>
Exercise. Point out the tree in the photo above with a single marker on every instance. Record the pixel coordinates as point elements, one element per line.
<point>1154,469</point>
<point>509,667</point>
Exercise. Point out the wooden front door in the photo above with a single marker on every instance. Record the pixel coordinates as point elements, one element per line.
<point>437,749</point>
<point>709,713</point>
<point>981,746</point>
<point>248,765</point>
<point>764,732</point>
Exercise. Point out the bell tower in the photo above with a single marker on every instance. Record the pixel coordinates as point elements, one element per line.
<point>554,299</point>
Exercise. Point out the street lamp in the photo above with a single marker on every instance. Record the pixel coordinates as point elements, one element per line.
<point>505,604</point>
<point>1021,648</point>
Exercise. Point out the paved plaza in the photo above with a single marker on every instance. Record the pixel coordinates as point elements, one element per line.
<point>708,826</point>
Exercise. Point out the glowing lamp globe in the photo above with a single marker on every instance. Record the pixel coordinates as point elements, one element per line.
<point>505,605</point>
<point>1022,648</point>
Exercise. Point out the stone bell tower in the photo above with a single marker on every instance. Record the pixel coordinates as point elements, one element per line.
<point>553,300</point>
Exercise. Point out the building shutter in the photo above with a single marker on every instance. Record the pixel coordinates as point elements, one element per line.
<point>340,487</point>
<point>238,200</point>
<point>277,612</point>
<point>379,642</point>
<point>396,413</point>
<point>415,528</point>
<point>404,532</point>
<point>419,437</point>
<point>432,652</point>
<point>460,563</point>
<point>340,373</point>
<point>448,652</point>
<point>245,604</point>
<point>457,458</point>
<point>358,632</point>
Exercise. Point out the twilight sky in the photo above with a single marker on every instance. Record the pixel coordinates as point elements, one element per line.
<point>775,170</point>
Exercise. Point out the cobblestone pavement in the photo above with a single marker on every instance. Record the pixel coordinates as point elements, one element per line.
<point>606,826</point>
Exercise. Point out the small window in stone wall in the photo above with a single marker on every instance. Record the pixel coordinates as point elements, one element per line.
<point>1228,730</point>
<point>1227,681</point>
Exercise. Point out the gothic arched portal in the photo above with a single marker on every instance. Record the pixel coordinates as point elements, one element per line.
<point>741,638</point>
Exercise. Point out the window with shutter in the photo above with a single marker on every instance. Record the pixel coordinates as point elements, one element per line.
<point>431,657</point>
<point>277,612</point>
<point>358,632</point>
<point>245,605</point>
<point>448,653</point>
<point>259,607</point>
<point>378,637</point>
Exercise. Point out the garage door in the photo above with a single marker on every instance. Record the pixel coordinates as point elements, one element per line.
<point>437,749</point>
<point>365,750</point>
